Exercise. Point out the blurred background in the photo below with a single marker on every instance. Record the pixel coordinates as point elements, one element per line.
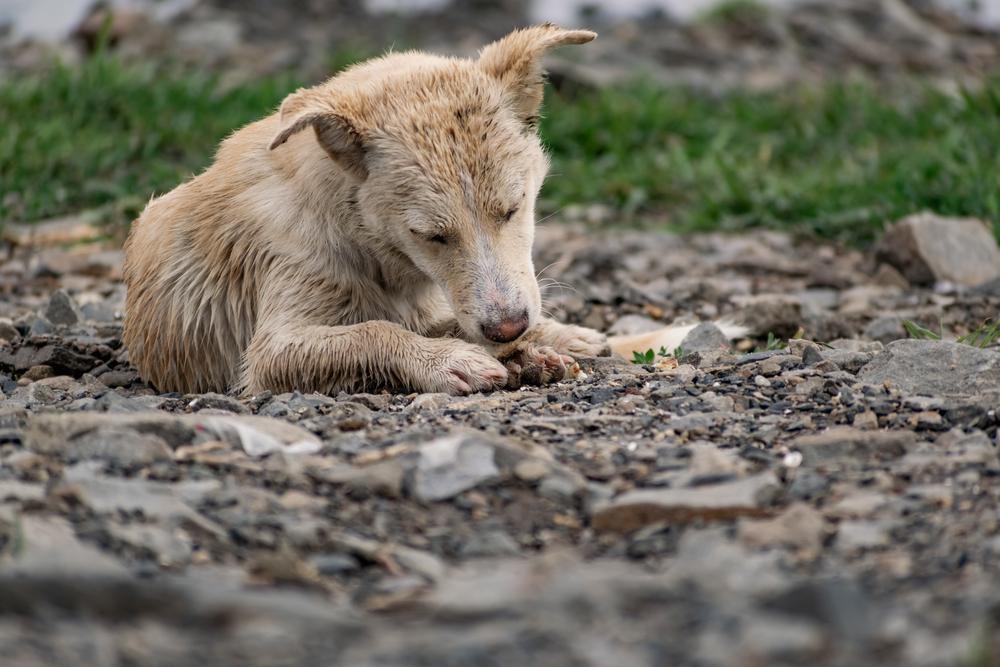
<point>828,118</point>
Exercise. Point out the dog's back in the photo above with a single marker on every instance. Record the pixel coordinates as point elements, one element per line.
<point>192,274</point>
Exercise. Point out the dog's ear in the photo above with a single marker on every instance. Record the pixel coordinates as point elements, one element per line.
<point>337,135</point>
<point>516,61</point>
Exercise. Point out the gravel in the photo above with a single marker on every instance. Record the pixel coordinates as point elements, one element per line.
<point>832,502</point>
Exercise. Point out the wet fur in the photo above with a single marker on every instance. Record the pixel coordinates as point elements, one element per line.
<point>308,255</point>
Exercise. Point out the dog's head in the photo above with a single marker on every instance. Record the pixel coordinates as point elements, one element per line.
<point>447,164</point>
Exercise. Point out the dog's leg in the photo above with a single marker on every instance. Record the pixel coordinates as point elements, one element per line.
<point>367,356</point>
<point>568,339</point>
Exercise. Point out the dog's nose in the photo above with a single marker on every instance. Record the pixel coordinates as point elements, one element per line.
<point>507,329</point>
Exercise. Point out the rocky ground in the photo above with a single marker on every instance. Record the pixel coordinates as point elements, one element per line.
<point>827,503</point>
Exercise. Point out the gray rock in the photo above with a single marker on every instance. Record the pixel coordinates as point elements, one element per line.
<point>62,310</point>
<point>8,331</point>
<point>20,491</point>
<point>41,326</point>
<point>489,543</point>
<point>706,337</point>
<point>452,464</point>
<point>384,478</point>
<point>48,545</point>
<point>800,527</point>
<point>847,444</point>
<point>429,402</point>
<point>115,379</point>
<point>855,536</point>
<point>635,509</point>
<point>927,248</point>
<point>169,548</point>
<point>935,368</point>
<point>885,328</point>
<point>215,401</point>
<point>99,311</point>
<point>155,500</point>
<point>840,605</point>
<point>255,435</point>
<point>123,447</point>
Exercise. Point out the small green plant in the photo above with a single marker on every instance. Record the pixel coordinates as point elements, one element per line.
<point>774,343</point>
<point>914,330</point>
<point>650,355</point>
<point>984,336</point>
<point>647,357</point>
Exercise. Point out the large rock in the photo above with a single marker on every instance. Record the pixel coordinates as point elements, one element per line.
<point>79,435</point>
<point>635,509</point>
<point>847,444</point>
<point>927,248</point>
<point>935,368</point>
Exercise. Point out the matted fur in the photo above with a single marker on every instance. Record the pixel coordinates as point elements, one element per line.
<point>363,237</point>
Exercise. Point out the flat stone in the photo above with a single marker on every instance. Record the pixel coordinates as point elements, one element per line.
<point>384,477</point>
<point>635,509</point>
<point>169,548</point>
<point>156,500</point>
<point>935,368</point>
<point>20,491</point>
<point>121,446</point>
<point>842,443</point>
<point>450,465</point>
<point>927,248</point>
<point>255,435</point>
<point>799,527</point>
<point>48,545</point>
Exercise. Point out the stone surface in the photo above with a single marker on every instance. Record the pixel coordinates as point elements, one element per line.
<point>639,508</point>
<point>935,368</point>
<point>62,310</point>
<point>450,465</point>
<point>706,337</point>
<point>611,519</point>
<point>927,248</point>
<point>851,445</point>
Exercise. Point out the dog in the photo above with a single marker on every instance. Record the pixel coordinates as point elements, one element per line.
<point>374,233</point>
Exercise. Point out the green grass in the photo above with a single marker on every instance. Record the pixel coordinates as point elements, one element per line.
<point>111,135</point>
<point>837,161</point>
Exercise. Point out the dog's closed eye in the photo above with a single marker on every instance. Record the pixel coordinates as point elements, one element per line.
<point>438,238</point>
<point>509,214</point>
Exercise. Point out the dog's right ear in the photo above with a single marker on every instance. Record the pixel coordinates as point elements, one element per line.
<point>515,61</point>
<point>335,133</point>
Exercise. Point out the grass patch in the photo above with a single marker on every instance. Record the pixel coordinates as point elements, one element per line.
<point>837,161</point>
<point>107,134</point>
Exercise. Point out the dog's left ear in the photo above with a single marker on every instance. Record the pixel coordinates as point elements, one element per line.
<point>336,134</point>
<point>516,61</point>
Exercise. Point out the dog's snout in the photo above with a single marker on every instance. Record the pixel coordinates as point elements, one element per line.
<point>506,329</point>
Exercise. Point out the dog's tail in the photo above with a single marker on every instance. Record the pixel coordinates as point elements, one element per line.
<point>668,337</point>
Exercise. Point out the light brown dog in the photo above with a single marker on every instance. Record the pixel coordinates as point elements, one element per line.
<point>376,232</point>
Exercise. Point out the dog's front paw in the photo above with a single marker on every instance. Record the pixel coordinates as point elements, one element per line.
<point>530,364</point>
<point>460,368</point>
<point>572,340</point>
